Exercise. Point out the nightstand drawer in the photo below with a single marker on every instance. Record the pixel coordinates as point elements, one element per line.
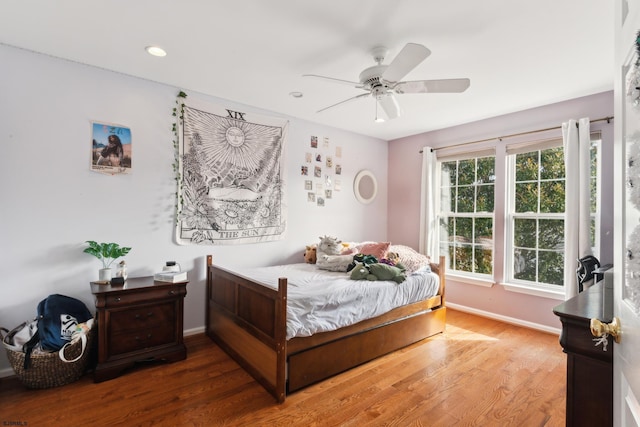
<point>141,320</point>
<point>143,317</point>
<point>125,298</point>
<point>140,340</point>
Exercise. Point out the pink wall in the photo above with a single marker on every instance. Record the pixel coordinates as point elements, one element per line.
<point>404,174</point>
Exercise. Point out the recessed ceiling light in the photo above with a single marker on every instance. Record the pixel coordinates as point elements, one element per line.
<point>296,94</point>
<point>156,51</point>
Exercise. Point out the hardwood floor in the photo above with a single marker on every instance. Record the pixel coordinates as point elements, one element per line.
<point>480,372</point>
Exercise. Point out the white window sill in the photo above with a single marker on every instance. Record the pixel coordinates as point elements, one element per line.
<point>544,293</point>
<point>487,283</point>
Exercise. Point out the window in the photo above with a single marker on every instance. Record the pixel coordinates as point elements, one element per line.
<point>466,214</point>
<point>526,205</point>
<point>537,216</point>
<point>535,219</point>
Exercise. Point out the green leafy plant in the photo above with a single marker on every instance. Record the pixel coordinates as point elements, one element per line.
<point>106,252</point>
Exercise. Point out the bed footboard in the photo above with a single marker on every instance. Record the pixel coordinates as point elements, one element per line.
<point>248,321</point>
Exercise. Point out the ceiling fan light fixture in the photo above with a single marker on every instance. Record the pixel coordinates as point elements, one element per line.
<point>378,119</point>
<point>390,106</point>
<point>156,51</point>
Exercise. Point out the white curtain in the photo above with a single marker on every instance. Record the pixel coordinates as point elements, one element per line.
<point>428,205</point>
<point>577,225</point>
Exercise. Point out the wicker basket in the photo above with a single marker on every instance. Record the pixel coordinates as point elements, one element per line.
<point>47,370</point>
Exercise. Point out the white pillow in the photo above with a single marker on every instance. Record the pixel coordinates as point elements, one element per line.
<point>410,258</point>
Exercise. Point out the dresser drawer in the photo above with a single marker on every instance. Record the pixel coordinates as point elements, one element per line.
<point>149,294</point>
<point>123,343</point>
<point>143,317</point>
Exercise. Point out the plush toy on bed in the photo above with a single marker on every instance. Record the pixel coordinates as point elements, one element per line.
<point>392,259</point>
<point>378,272</point>
<point>361,259</point>
<point>310,254</point>
<point>329,255</point>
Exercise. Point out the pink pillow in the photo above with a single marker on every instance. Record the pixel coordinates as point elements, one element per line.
<point>378,250</point>
<point>349,251</point>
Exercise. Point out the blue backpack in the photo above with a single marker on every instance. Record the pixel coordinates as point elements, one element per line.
<point>58,316</point>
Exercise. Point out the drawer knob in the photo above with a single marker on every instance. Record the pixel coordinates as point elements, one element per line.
<point>599,329</point>
<point>138,316</point>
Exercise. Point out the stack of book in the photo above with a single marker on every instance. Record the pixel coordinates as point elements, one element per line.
<point>171,277</point>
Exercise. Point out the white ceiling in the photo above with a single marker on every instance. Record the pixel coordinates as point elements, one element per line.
<point>518,53</point>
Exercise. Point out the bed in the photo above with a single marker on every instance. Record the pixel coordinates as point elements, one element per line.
<point>247,318</point>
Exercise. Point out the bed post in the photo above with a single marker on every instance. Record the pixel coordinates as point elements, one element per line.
<point>208,297</point>
<point>441,273</point>
<point>281,341</point>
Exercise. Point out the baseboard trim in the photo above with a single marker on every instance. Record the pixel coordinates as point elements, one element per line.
<point>506,319</point>
<point>7,372</point>
<point>193,331</point>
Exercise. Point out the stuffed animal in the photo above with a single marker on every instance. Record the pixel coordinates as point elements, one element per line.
<point>392,259</point>
<point>377,272</point>
<point>329,246</point>
<point>328,255</point>
<point>362,259</point>
<point>310,254</point>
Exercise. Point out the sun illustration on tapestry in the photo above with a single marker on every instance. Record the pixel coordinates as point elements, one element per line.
<point>231,178</point>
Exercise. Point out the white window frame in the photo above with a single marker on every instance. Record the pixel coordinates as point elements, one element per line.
<point>481,279</point>
<point>540,289</point>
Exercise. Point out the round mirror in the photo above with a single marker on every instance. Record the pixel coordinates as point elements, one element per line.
<point>365,186</point>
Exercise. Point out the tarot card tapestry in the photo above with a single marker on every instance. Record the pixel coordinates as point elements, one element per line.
<point>231,187</point>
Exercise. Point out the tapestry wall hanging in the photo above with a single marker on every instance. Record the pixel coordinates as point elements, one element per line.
<point>110,148</point>
<point>231,187</point>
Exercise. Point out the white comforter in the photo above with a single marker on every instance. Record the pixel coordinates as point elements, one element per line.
<point>320,301</point>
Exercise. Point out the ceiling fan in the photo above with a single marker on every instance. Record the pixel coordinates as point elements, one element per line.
<point>384,81</point>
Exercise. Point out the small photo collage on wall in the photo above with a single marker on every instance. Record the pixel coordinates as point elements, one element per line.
<point>322,170</point>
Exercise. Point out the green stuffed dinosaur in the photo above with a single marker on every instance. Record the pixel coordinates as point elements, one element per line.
<point>378,272</point>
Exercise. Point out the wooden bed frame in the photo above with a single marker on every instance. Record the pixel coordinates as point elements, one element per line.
<point>248,321</point>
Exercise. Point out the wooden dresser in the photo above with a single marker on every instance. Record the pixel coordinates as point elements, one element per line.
<point>141,320</point>
<point>589,368</point>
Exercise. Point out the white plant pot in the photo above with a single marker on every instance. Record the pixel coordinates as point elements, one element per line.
<point>104,274</point>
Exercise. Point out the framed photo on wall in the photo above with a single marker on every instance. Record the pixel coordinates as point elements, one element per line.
<point>110,148</point>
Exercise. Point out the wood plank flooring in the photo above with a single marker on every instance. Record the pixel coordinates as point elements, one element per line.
<point>480,372</point>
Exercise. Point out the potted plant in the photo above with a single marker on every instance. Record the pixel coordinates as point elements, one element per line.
<point>107,253</point>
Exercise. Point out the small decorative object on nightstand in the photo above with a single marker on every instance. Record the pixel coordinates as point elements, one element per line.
<point>122,270</point>
<point>139,321</point>
<point>107,253</point>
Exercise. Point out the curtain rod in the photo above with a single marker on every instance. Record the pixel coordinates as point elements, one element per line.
<point>602,119</point>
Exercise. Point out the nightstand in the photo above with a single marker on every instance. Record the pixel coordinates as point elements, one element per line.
<point>589,367</point>
<point>141,320</point>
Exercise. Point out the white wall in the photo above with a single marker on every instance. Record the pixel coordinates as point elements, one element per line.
<point>52,202</point>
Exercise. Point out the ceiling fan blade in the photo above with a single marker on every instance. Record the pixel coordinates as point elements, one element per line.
<point>433,86</point>
<point>331,79</point>
<point>409,57</point>
<point>390,105</point>
<point>343,102</point>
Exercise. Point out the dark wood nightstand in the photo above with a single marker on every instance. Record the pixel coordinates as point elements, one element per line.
<point>141,320</point>
<point>589,367</point>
